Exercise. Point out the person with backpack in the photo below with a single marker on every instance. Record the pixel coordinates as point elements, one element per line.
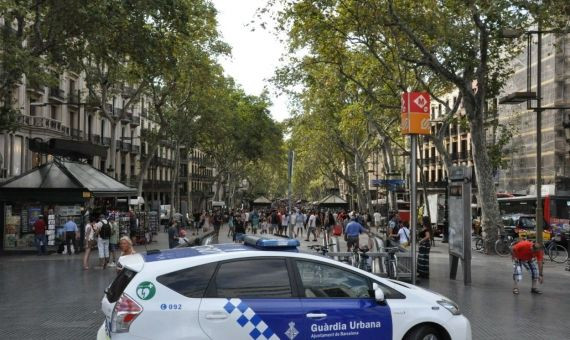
<point>404,235</point>
<point>104,232</point>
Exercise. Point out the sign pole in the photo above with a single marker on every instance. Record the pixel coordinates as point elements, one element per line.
<point>413,201</point>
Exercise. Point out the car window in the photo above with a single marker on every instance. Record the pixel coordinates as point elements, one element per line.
<point>253,278</point>
<point>391,293</point>
<point>190,282</point>
<point>323,281</point>
<point>119,284</point>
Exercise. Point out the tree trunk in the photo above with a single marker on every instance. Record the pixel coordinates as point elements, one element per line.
<point>145,167</point>
<point>486,194</point>
<point>389,165</point>
<point>113,149</point>
<point>174,181</point>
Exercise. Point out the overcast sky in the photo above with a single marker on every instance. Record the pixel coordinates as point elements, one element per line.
<point>255,55</point>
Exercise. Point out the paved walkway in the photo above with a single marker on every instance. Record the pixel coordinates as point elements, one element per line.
<point>51,297</point>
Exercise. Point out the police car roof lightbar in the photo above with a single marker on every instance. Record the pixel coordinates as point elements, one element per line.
<point>271,243</point>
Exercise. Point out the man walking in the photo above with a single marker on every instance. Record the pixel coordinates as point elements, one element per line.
<point>70,229</point>
<point>40,231</point>
<point>529,255</point>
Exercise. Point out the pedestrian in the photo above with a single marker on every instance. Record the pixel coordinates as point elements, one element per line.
<point>284,223</point>
<point>126,246</point>
<point>70,229</point>
<point>239,230</point>
<point>254,221</point>
<point>104,228</point>
<point>274,222</point>
<point>113,241</point>
<point>231,224</point>
<point>40,235</point>
<point>404,235</point>
<point>352,231</point>
<point>172,235</point>
<point>299,221</point>
<point>312,227</point>
<point>377,218</point>
<point>264,225</point>
<point>424,248</point>
<point>529,255</point>
<point>217,222</point>
<point>90,241</point>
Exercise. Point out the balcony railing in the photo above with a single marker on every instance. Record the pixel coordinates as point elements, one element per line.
<point>454,156</point>
<point>463,155</point>
<point>76,133</point>
<point>135,120</point>
<point>136,149</point>
<point>95,139</point>
<point>106,141</point>
<point>56,92</point>
<point>44,123</point>
<point>125,146</point>
<point>144,112</point>
<point>73,98</point>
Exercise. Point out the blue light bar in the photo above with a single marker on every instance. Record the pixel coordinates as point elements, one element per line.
<point>271,243</point>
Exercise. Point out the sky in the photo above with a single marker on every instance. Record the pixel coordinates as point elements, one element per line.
<point>255,54</point>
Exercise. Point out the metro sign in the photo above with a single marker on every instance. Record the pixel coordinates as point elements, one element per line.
<point>415,113</point>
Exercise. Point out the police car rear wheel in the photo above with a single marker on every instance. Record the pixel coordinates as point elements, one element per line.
<point>425,333</point>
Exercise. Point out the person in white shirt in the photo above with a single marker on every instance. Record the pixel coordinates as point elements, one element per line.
<point>377,219</point>
<point>404,235</point>
<point>312,227</point>
<point>299,221</point>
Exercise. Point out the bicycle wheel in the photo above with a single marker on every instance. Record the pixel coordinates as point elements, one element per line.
<point>501,248</point>
<point>558,253</point>
<point>354,260</point>
<point>479,243</point>
<point>393,270</point>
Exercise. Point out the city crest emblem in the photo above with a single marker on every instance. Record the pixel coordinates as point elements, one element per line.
<point>292,332</point>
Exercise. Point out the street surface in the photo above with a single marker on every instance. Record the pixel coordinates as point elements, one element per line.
<point>52,297</point>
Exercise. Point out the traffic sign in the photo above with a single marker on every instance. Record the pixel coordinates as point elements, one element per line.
<point>415,113</point>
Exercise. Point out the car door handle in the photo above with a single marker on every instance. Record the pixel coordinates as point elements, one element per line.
<point>217,316</point>
<point>316,315</point>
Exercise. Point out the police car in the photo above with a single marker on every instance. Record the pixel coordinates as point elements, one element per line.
<point>267,289</point>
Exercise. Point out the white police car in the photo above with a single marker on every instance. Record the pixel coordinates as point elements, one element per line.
<point>266,289</point>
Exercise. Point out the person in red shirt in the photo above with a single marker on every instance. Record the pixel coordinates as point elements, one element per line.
<point>529,255</point>
<point>40,231</point>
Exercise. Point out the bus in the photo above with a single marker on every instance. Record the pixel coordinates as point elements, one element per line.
<point>403,209</point>
<point>556,209</point>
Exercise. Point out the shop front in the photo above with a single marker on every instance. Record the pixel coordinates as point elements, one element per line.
<point>60,191</point>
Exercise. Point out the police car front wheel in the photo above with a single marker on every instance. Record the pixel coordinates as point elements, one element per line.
<point>425,332</point>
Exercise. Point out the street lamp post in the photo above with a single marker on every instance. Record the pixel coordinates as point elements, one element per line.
<point>528,96</point>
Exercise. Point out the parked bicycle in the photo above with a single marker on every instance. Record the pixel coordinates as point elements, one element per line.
<point>503,244</point>
<point>479,242</point>
<point>556,252</point>
<point>392,262</point>
<point>359,258</point>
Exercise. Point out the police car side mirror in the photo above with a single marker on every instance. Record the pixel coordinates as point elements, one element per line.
<point>378,293</point>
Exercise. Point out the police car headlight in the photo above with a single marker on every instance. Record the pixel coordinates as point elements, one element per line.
<point>451,306</point>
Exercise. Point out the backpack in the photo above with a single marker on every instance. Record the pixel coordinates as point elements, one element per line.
<point>105,232</point>
<point>337,230</point>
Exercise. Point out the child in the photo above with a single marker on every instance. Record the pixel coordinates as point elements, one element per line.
<point>264,226</point>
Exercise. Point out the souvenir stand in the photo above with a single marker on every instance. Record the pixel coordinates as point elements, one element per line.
<point>59,190</point>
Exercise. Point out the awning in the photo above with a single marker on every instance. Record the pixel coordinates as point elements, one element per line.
<point>261,200</point>
<point>332,200</point>
<point>67,176</point>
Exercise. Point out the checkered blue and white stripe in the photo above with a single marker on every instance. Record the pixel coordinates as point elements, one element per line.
<point>251,323</point>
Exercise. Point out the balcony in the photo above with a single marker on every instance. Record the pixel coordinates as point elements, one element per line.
<point>126,147</point>
<point>127,117</point>
<point>106,141</point>
<point>454,156</point>
<point>135,120</point>
<point>117,112</point>
<point>95,139</point>
<point>144,112</point>
<point>463,155</point>
<point>39,89</point>
<point>73,98</point>
<point>136,149</point>
<point>43,123</point>
<point>56,93</point>
<point>156,185</point>
<point>76,133</point>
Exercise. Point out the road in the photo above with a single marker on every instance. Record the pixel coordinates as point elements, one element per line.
<point>52,297</point>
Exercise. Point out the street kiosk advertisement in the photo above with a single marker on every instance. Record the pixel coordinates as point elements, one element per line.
<point>459,202</point>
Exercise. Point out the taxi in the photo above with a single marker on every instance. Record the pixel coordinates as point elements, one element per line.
<point>267,289</point>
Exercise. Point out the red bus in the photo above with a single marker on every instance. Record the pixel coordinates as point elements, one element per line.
<point>556,209</point>
<point>403,208</point>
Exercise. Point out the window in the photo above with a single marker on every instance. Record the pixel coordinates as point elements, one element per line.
<point>119,284</point>
<point>324,281</point>
<point>257,278</point>
<point>190,282</point>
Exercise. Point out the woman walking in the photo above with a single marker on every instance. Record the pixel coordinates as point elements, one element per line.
<point>90,241</point>
<point>425,245</point>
